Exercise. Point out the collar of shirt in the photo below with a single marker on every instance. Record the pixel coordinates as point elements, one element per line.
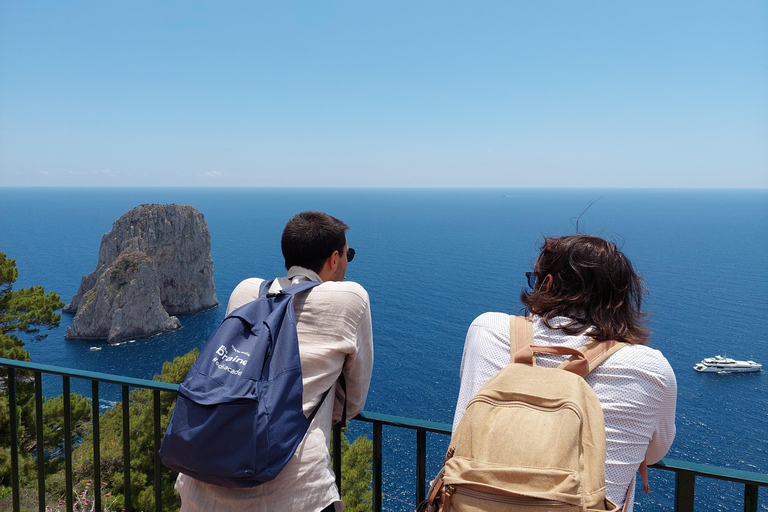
<point>556,323</point>
<point>295,275</point>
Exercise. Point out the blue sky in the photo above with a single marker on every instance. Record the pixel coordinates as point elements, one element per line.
<point>384,94</point>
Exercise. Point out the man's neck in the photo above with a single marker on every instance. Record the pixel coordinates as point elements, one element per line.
<point>303,274</point>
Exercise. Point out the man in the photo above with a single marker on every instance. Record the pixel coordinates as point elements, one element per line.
<point>333,321</point>
<point>583,287</point>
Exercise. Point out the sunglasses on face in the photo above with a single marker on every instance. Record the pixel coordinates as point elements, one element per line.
<point>350,254</point>
<point>532,277</point>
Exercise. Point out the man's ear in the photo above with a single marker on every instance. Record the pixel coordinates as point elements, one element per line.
<point>329,267</point>
<point>547,284</point>
<point>334,260</point>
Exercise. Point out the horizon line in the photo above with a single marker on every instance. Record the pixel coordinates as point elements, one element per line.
<point>290,187</point>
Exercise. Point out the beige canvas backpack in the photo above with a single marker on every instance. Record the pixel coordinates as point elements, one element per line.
<point>532,439</point>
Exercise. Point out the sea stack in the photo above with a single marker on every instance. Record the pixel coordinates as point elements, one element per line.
<point>156,262</point>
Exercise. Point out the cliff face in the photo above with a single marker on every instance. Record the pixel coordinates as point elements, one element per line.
<point>155,262</point>
<point>124,303</point>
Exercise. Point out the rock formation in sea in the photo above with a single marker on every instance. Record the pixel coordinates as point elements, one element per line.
<point>156,262</point>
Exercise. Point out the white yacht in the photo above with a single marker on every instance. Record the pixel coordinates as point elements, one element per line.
<point>722,364</point>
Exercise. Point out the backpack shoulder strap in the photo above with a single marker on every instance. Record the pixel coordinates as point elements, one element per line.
<point>264,287</point>
<point>520,334</point>
<point>597,351</point>
<point>293,289</point>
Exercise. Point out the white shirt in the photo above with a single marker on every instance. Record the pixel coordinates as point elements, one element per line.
<point>333,321</point>
<point>636,388</point>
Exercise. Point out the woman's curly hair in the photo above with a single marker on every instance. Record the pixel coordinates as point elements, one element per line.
<point>593,284</point>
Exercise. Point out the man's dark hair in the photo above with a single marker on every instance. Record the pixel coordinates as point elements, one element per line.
<point>309,238</point>
<point>593,284</point>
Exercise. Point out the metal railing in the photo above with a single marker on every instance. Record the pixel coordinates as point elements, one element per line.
<point>96,379</point>
<point>685,472</point>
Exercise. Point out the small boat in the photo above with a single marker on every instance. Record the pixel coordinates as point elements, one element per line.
<point>93,349</point>
<point>722,364</point>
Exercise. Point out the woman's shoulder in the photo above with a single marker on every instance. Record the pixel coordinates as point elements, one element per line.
<point>642,358</point>
<point>492,320</point>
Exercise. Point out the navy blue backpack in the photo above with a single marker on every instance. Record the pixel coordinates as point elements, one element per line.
<point>238,417</point>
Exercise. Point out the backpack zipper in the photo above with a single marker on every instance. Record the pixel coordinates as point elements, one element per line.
<point>567,405</point>
<point>508,500</point>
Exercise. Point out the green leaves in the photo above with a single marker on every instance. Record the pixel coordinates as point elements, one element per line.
<point>53,418</point>
<point>26,310</point>
<point>12,347</point>
<point>356,473</point>
<point>8,273</point>
<point>29,309</point>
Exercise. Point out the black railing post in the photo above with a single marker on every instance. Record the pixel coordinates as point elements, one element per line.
<point>40,442</point>
<point>750,498</point>
<point>68,441</point>
<point>158,462</point>
<point>127,450</point>
<point>14,439</point>
<point>684,484</point>
<point>421,464</point>
<point>96,445</point>
<point>337,454</point>
<point>377,467</point>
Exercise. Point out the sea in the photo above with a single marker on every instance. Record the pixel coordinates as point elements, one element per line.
<point>434,259</point>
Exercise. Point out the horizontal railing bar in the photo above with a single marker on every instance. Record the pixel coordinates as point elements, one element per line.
<point>82,374</point>
<point>400,421</point>
<point>717,472</point>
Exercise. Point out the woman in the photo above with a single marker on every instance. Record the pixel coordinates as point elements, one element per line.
<point>583,288</point>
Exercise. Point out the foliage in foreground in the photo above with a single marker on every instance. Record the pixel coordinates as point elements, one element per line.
<point>356,463</point>
<point>23,313</point>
